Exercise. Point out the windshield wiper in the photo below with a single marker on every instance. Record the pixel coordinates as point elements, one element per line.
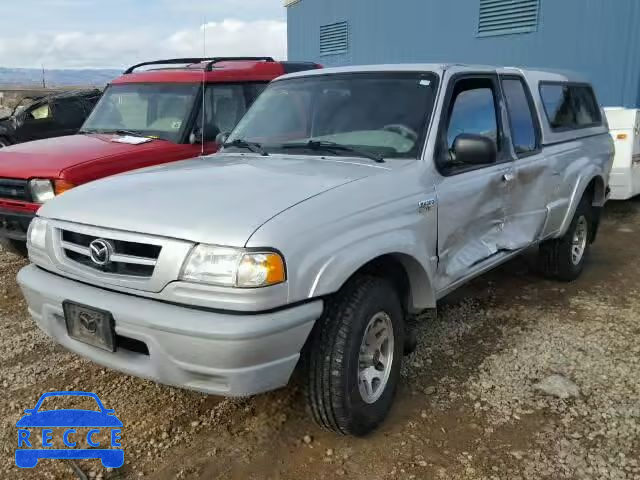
<point>251,146</point>
<point>130,132</point>
<point>333,147</point>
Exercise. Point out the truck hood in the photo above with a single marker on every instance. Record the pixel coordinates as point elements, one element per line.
<point>48,158</point>
<point>221,199</point>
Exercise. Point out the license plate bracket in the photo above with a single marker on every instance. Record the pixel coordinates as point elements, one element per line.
<point>90,325</point>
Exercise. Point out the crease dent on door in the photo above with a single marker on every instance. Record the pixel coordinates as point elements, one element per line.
<point>526,209</point>
<point>472,242</point>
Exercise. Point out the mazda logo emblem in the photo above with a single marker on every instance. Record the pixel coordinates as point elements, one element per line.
<point>88,322</point>
<point>100,252</point>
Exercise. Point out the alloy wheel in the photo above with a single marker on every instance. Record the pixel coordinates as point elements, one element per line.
<point>376,357</point>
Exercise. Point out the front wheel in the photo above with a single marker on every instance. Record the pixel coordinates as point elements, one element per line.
<point>354,357</point>
<point>564,258</point>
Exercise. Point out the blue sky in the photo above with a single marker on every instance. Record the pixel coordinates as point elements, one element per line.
<point>115,33</point>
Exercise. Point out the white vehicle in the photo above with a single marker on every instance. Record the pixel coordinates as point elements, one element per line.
<point>624,125</point>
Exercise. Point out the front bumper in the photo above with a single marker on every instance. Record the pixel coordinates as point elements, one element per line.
<point>220,353</point>
<point>15,225</point>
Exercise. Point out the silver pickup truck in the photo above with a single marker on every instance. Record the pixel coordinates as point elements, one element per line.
<point>345,202</point>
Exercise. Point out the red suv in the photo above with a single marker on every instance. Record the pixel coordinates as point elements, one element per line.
<point>145,117</point>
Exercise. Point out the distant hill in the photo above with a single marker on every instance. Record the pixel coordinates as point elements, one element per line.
<point>57,78</point>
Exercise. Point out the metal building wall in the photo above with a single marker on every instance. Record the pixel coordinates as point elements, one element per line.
<point>599,38</point>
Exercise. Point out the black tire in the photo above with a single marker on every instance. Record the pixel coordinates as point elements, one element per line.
<point>332,357</point>
<point>410,334</point>
<point>14,246</point>
<point>556,259</point>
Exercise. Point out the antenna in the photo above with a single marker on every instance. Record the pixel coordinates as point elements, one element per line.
<point>204,83</point>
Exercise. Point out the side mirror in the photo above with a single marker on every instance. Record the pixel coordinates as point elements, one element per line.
<point>222,137</point>
<point>473,149</point>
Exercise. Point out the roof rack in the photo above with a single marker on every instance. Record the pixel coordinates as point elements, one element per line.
<point>208,68</point>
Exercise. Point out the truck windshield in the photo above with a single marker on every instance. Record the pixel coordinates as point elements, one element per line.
<point>382,114</point>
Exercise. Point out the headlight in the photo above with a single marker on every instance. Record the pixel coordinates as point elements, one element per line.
<point>37,234</point>
<point>41,190</point>
<point>44,190</point>
<point>233,267</point>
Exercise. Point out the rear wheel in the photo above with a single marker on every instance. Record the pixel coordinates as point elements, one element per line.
<point>354,356</point>
<point>14,246</point>
<point>564,258</point>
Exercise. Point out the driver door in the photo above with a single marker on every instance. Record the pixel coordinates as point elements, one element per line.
<point>471,198</point>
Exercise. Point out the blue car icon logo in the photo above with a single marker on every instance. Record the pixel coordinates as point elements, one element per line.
<point>100,422</point>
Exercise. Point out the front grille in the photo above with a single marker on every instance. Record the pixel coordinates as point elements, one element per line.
<point>14,189</point>
<point>126,258</point>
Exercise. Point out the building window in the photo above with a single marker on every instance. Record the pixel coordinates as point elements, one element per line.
<point>334,38</point>
<point>504,17</point>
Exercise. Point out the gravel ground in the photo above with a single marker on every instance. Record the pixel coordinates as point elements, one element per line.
<point>467,408</point>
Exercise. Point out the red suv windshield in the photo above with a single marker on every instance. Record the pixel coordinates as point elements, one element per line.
<point>165,110</point>
<point>154,110</point>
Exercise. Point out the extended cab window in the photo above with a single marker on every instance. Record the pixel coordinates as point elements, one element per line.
<point>570,106</point>
<point>521,117</point>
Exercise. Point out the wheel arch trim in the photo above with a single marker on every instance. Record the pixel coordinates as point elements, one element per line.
<point>339,270</point>
<point>587,181</point>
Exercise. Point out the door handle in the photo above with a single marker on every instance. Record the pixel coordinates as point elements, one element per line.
<point>508,177</point>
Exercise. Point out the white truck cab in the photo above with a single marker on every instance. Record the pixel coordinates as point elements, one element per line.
<point>624,125</point>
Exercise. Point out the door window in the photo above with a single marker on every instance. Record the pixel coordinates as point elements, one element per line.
<point>69,113</point>
<point>473,110</point>
<point>225,105</point>
<point>43,112</point>
<point>523,130</point>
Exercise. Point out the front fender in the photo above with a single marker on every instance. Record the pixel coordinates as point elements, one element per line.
<point>400,245</point>
<point>326,239</point>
